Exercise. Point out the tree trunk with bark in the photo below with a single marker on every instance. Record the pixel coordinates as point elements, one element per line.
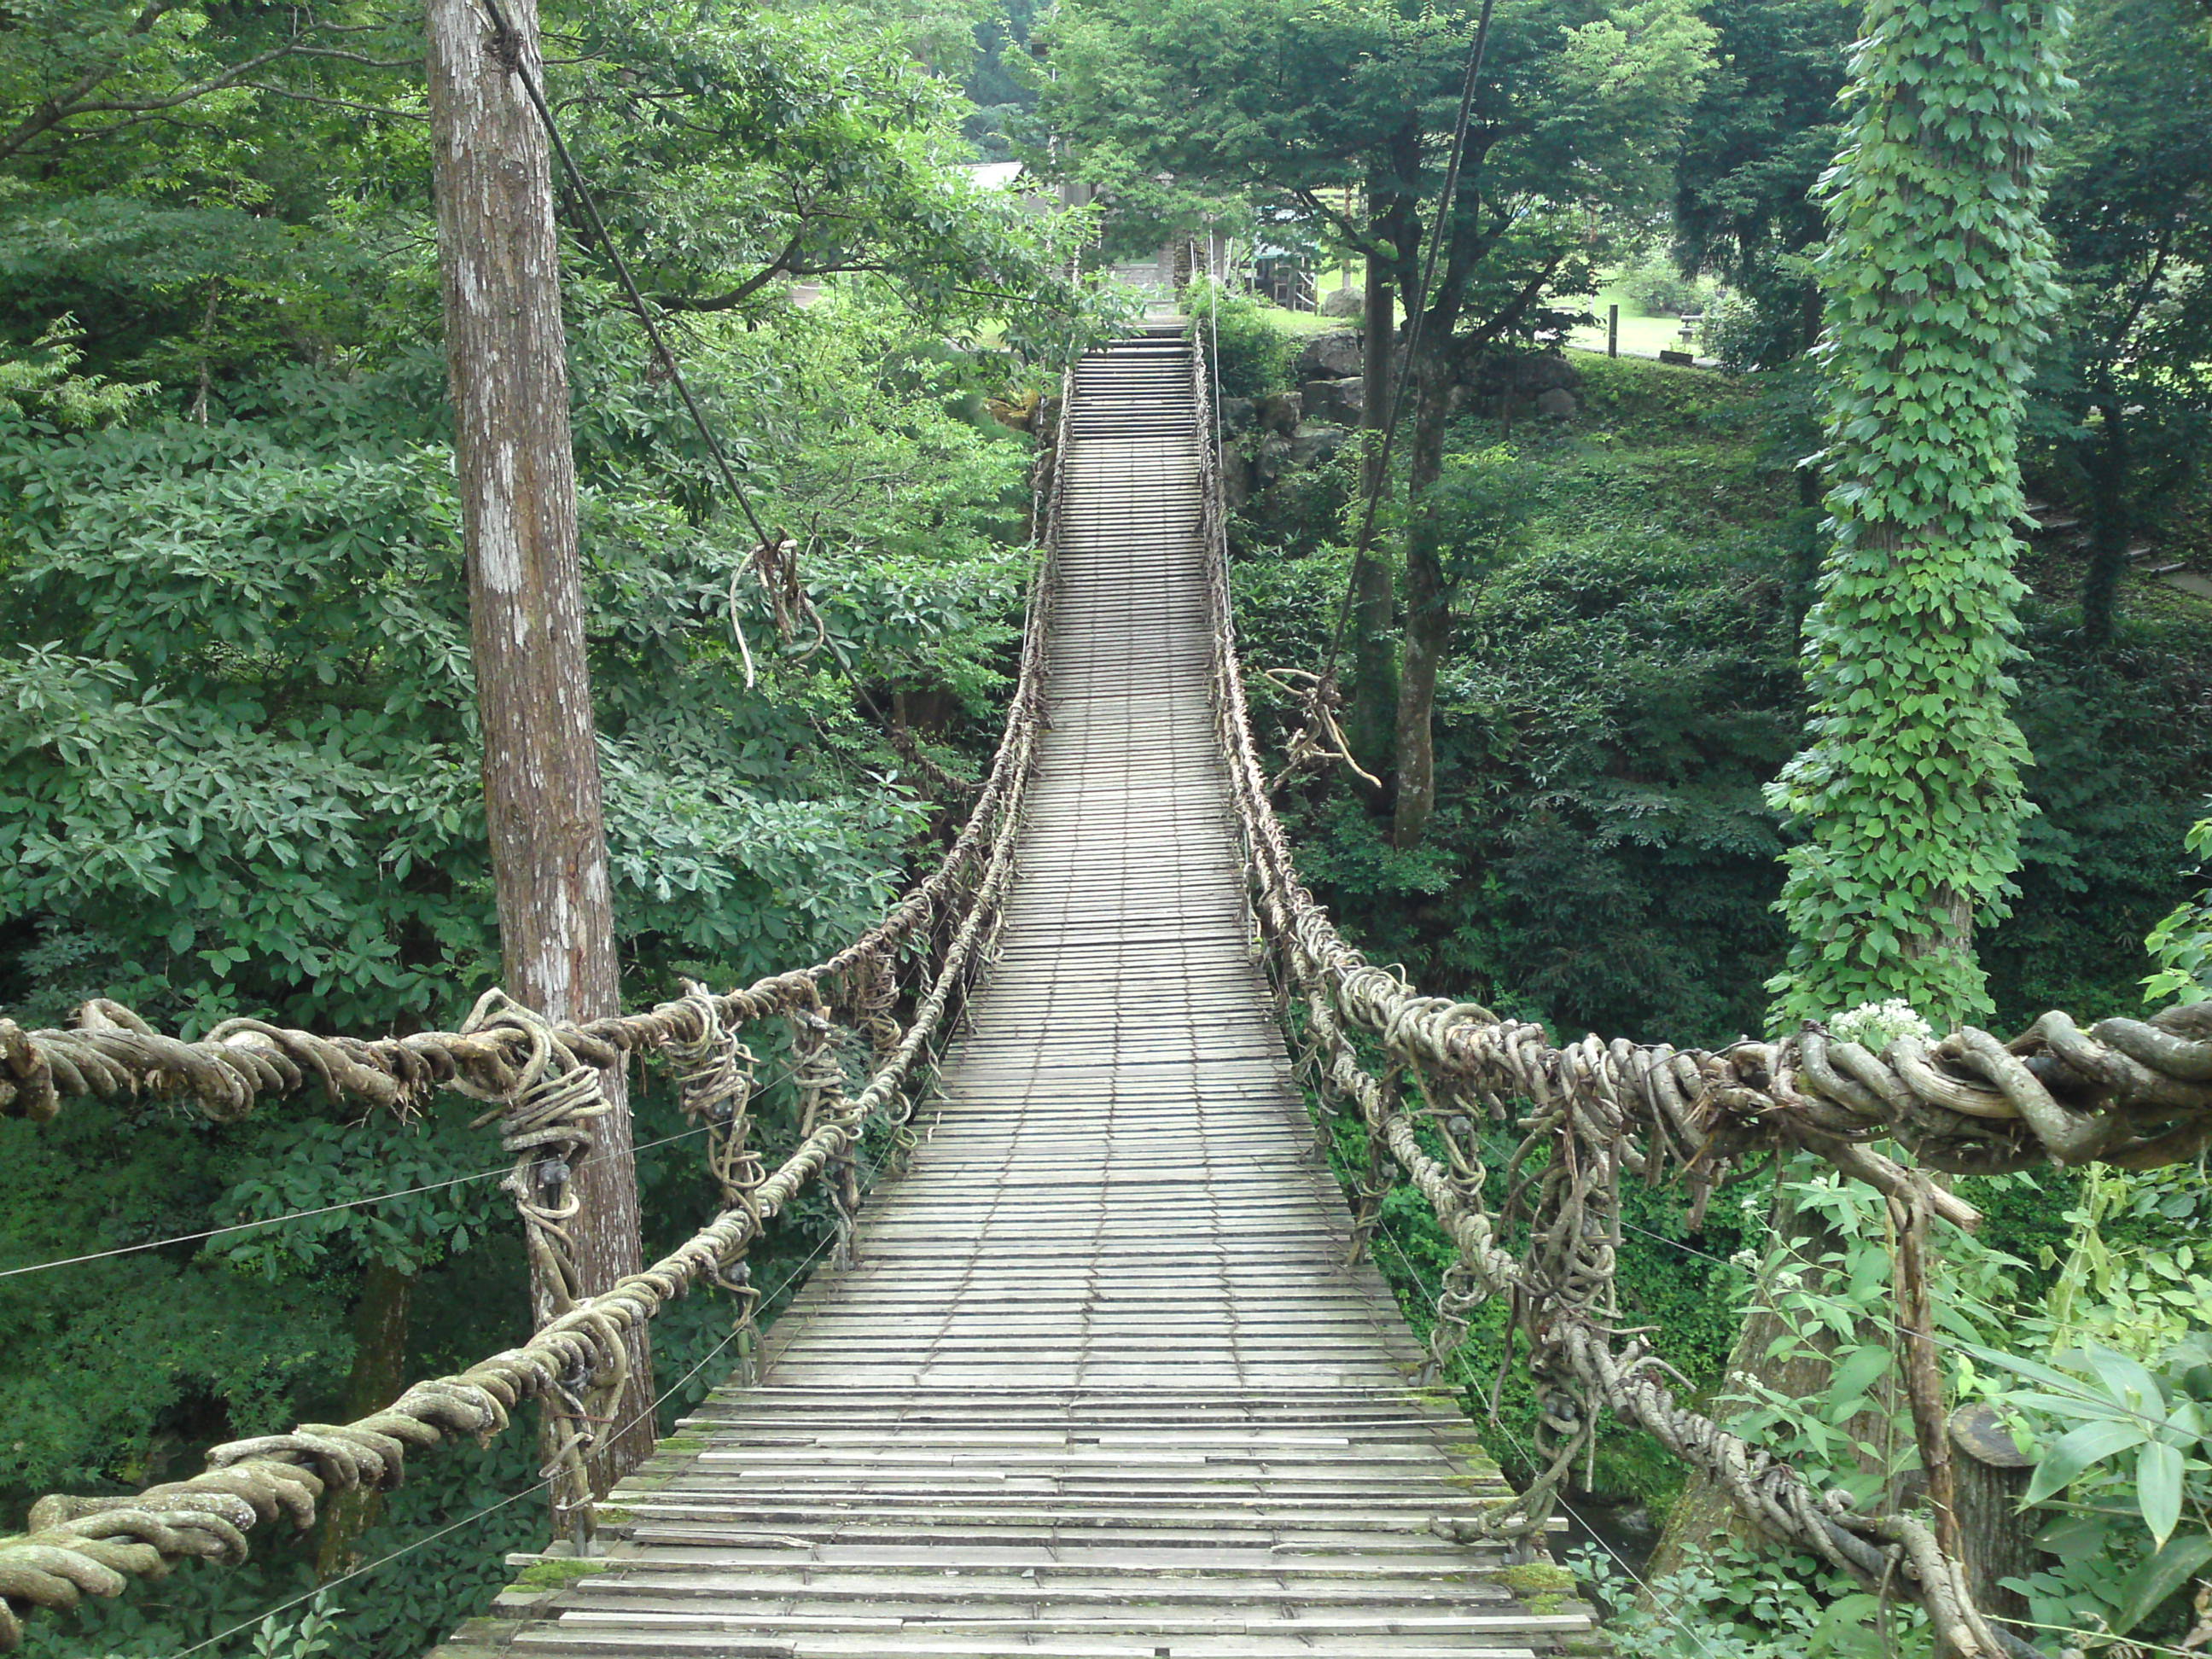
<point>2108,462</point>
<point>1996,1542</point>
<point>1702,1514</point>
<point>378,1375</point>
<point>507,354</point>
<point>1428,600</point>
<point>1370,719</point>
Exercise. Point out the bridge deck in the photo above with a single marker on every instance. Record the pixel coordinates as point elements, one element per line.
<point>1099,1382</point>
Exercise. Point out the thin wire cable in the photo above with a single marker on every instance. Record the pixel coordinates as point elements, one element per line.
<point>1890,1326</point>
<point>873,1175</point>
<point>875,1172</point>
<point>488,1509</point>
<point>350,1204</point>
<point>513,40</point>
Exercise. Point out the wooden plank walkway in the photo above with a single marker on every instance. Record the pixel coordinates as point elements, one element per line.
<point>1098,1382</point>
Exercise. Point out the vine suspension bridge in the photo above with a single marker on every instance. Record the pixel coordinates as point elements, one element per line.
<point>1104,1371</point>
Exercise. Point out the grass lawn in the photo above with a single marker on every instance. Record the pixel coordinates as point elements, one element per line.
<point>1641,335</point>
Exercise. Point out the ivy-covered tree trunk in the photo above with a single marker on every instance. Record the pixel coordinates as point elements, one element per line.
<point>1908,789</point>
<point>506,354</point>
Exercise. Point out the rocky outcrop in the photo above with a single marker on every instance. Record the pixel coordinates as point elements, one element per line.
<point>1333,357</point>
<point>1337,402</point>
<point>1528,374</point>
<point>1280,412</point>
<point>1313,443</point>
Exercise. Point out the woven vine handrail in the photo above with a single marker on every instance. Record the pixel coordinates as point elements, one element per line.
<point>1592,1113</point>
<point>544,1081</point>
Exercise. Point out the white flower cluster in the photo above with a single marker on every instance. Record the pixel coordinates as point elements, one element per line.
<point>1875,1025</point>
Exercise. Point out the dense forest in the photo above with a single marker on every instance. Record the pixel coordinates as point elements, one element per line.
<point>1601,632</point>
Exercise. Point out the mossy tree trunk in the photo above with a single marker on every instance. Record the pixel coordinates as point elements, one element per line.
<point>378,1378</point>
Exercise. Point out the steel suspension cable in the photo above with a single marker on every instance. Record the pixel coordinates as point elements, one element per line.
<point>767,1299</point>
<point>349,1204</point>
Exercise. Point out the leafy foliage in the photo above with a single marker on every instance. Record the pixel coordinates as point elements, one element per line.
<point>1908,790</point>
<point>1251,356</point>
<point>1655,284</point>
<point>2182,943</point>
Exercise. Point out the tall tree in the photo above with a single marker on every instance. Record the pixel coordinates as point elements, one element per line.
<point>1572,125</point>
<point>507,354</point>
<point>1745,204</point>
<point>2131,213</point>
<point>1938,275</point>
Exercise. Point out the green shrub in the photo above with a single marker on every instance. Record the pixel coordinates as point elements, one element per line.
<point>1660,290</point>
<point>1256,357</point>
<point>1735,333</point>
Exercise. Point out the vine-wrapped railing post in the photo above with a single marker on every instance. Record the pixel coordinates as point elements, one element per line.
<point>820,1077</point>
<point>546,1114</point>
<point>714,1076</point>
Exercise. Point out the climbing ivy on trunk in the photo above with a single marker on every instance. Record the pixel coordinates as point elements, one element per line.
<point>1907,791</point>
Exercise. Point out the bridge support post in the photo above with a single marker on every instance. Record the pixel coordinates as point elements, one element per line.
<point>505,356</point>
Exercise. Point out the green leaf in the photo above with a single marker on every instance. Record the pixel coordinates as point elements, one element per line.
<point>1857,1371</point>
<point>2158,1488</point>
<point>2178,1560</point>
<point>2082,1451</point>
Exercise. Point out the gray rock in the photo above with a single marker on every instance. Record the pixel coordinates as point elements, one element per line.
<point>1313,443</point>
<point>1240,475</point>
<point>1558,403</point>
<point>1333,357</point>
<point>1342,302</point>
<point>1280,412</point>
<point>1527,373</point>
<point>1338,402</point>
<point>1236,414</point>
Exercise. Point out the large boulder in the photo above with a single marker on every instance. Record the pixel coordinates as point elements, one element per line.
<point>1333,357</point>
<point>1280,412</point>
<point>1243,475</point>
<point>1501,370</point>
<point>1237,413</point>
<point>1557,402</point>
<point>1337,402</point>
<point>1342,302</point>
<point>1313,443</point>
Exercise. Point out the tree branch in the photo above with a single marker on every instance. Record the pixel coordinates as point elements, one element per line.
<point>784,264</point>
<point>337,103</point>
<point>67,105</point>
<point>1351,233</point>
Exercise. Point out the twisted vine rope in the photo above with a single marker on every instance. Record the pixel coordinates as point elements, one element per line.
<point>2129,1092</point>
<point>545,1078</point>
